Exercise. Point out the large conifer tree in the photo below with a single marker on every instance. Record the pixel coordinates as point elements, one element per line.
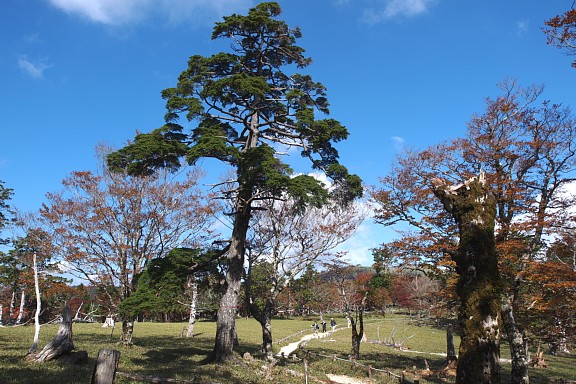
<point>246,104</point>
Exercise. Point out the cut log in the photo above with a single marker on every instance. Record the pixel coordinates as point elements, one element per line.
<point>61,344</point>
<point>106,365</point>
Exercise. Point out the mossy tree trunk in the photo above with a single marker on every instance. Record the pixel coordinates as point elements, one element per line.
<point>479,287</point>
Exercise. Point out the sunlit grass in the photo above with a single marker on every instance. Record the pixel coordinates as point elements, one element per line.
<point>159,351</point>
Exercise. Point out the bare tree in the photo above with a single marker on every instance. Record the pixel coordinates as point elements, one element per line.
<point>285,241</point>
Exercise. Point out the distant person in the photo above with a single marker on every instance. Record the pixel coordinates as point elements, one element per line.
<point>323,326</point>
<point>316,327</point>
<point>333,324</point>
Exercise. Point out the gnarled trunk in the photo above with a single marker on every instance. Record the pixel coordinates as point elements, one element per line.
<point>357,334</point>
<point>479,286</point>
<point>266,325</point>
<point>61,344</point>
<point>226,323</point>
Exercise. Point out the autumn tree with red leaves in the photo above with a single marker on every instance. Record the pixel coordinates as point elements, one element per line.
<point>527,151</point>
<point>552,293</point>
<point>561,32</point>
<point>107,225</point>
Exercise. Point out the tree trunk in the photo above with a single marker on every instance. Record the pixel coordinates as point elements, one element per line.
<point>518,353</point>
<point>479,286</point>
<point>357,334</point>
<point>266,325</point>
<point>226,323</point>
<point>1,313</point>
<point>38,308</point>
<point>12,308</point>
<point>21,311</point>
<point>451,359</point>
<point>127,330</point>
<point>264,317</point>
<point>193,286</point>
<point>558,343</point>
<point>61,344</point>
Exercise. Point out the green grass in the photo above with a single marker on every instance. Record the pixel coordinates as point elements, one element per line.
<point>159,351</point>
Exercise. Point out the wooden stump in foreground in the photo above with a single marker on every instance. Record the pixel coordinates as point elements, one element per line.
<point>105,369</point>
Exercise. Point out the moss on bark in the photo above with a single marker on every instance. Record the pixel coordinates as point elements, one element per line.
<point>479,286</point>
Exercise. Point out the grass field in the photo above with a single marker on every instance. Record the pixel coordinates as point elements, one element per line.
<point>159,351</point>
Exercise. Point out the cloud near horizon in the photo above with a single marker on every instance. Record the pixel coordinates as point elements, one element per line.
<point>115,12</point>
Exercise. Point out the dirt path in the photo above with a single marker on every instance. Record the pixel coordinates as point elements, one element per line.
<point>290,348</point>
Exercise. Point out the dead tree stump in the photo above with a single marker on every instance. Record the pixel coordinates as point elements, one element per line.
<point>61,344</point>
<point>105,368</point>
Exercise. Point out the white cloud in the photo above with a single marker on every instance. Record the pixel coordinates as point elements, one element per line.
<point>34,68</point>
<point>388,9</point>
<point>118,12</point>
<point>359,247</point>
<point>522,27</point>
<point>399,142</point>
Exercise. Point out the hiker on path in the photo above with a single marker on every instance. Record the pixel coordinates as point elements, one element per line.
<point>315,326</point>
<point>333,324</point>
<point>323,326</point>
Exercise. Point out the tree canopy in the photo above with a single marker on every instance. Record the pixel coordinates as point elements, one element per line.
<point>107,226</point>
<point>561,32</point>
<point>5,209</point>
<point>526,150</point>
<point>250,107</point>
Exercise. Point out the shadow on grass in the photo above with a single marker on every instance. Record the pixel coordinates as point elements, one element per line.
<point>36,373</point>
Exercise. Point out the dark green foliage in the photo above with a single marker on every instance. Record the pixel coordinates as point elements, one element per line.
<point>5,210</point>
<point>261,274</point>
<point>162,148</point>
<point>161,288</point>
<point>242,101</point>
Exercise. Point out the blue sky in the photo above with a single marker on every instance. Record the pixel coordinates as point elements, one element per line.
<point>74,73</point>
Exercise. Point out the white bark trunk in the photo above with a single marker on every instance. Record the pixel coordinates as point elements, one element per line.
<point>12,307</point>
<point>21,312</point>
<point>77,315</point>
<point>1,312</point>
<point>193,285</point>
<point>38,308</point>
